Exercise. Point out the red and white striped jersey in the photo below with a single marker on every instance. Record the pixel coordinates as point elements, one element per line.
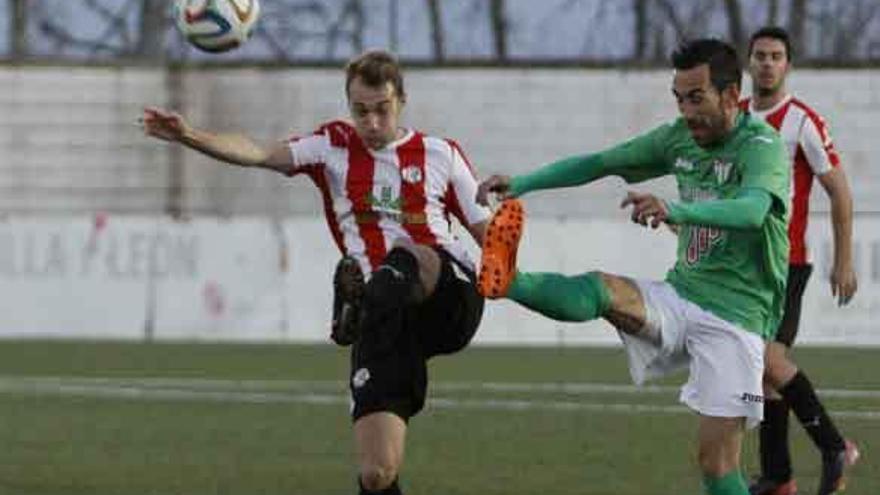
<point>374,197</point>
<point>812,152</point>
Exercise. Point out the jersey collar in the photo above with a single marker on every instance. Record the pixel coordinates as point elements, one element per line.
<point>764,113</point>
<point>407,135</point>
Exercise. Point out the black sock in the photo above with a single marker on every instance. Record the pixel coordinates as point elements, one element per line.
<point>391,288</point>
<point>801,397</point>
<point>393,489</point>
<point>775,456</point>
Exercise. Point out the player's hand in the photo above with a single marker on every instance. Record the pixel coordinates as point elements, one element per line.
<point>499,185</point>
<point>647,209</point>
<point>162,124</point>
<point>843,284</point>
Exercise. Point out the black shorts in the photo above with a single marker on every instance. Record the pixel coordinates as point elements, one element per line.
<point>798,275</point>
<point>396,380</point>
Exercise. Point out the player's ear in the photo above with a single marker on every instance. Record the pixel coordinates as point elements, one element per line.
<point>731,94</point>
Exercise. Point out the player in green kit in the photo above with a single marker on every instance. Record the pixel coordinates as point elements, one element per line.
<point>724,296</point>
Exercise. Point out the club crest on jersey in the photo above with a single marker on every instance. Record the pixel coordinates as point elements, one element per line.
<point>722,171</point>
<point>411,174</point>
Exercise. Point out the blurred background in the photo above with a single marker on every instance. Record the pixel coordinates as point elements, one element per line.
<point>159,242</point>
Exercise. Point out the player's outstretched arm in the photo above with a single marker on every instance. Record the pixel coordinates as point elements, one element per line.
<point>235,149</point>
<point>567,172</point>
<point>843,277</point>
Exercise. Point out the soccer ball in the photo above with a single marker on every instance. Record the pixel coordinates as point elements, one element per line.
<point>216,25</point>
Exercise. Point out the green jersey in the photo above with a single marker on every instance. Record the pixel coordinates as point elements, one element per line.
<point>737,274</point>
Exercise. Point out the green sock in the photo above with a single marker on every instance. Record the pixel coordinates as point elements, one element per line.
<point>732,483</point>
<point>576,298</point>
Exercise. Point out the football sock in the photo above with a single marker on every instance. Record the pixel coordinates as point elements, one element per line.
<point>732,483</point>
<point>775,456</point>
<point>801,397</point>
<point>393,489</point>
<point>393,285</point>
<point>565,298</point>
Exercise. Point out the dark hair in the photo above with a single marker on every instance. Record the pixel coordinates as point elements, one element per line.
<point>721,57</point>
<point>375,68</point>
<point>776,33</point>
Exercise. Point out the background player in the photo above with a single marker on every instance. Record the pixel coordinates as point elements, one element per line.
<point>812,155</point>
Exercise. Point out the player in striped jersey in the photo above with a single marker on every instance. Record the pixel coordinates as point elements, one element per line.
<point>405,288</point>
<point>812,155</point>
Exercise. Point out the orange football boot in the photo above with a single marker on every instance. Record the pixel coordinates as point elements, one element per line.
<point>498,264</point>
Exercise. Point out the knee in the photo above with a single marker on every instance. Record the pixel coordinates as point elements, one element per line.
<point>420,263</point>
<point>422,254</point>
<point>770,392</point>
<point>713,466</point>
<point>378,477</point>
<point>716,461</point>
<point>778,370</point>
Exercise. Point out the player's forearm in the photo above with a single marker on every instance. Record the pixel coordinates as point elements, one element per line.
<point>841,226</point>
<point>568,172</point>
<point>234,149</point>
<point>478,231</point>
<point>746,211</point>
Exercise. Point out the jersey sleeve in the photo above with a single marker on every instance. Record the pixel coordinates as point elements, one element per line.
<point>746,211</point>
<point>308,152</point>
<point>765,166</point>
<point>461,196</point>
<point>815,141</point>
<point>640,158</point>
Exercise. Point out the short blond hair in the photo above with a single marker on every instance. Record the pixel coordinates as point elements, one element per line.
<point>375,68</point>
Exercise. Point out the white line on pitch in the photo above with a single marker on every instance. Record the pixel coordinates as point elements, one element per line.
<point>123,389</point>
<point>568,388</point>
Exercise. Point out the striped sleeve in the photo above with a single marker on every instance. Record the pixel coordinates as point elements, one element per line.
<point>462,193</point>
<point>816,143</point>
<point>307,152</point>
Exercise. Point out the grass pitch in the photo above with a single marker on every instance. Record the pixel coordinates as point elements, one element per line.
<point>204,419</point>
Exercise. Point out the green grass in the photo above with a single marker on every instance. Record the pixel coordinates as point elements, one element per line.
<point>75,442</point>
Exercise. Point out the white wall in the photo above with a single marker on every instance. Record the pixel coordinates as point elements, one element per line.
<point>256,279</point>
<point>69,143</point>
<point>70,151</point>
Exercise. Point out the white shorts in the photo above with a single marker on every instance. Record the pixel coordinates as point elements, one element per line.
<point>726,362</point>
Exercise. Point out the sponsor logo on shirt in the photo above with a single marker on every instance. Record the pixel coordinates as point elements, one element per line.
<point>386,201</point>
<point>696,193</point>
<point>683,164</point>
